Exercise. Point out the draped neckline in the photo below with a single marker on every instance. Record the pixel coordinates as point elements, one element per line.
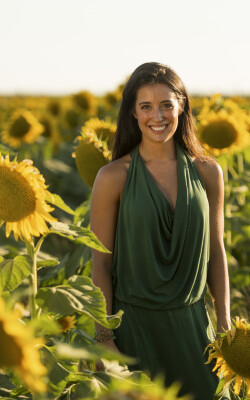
<point>156,186</point>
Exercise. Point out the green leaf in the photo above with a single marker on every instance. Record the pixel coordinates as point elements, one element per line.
<point>45,325</point>
<point>47,263</point>
<point>90,388</point>
<point>81,296</point>
<point>81,255</point>
<point>19,391</point>
<point>83,213</point>
<point>58,202</point>
<point>58,375</point>
<point>78,234</point>
<point>91,352</point>
<point>220,386</point>
<point>1,259</point>
<point>14,271</point>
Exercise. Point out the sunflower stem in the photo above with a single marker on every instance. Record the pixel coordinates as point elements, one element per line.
<point>32,278</point>
<point>240,160</point>
<point>39,244</point>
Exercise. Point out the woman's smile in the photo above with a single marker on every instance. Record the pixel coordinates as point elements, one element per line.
<point>158,128</point>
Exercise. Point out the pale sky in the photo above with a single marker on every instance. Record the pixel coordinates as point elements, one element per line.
<point>64,46</point>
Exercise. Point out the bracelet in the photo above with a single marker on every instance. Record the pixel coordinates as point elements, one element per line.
<point>102,335</point>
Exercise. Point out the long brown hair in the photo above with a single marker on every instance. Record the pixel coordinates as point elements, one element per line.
<point>128,134</point>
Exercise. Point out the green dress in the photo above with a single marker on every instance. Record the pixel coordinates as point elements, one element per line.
<point>159,275</point>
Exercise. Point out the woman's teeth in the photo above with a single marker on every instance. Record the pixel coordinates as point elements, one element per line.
<point>158,128</point>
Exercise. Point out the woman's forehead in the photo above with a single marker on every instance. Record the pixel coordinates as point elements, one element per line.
<point>155,90</point>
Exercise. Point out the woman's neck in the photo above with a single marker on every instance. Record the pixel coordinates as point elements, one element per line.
<point>158,151</point>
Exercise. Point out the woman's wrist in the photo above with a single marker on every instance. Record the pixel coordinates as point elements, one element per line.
<point>223,324</point>
<point>103,335</point>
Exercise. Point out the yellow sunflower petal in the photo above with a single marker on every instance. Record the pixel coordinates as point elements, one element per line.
<point>237,385</point>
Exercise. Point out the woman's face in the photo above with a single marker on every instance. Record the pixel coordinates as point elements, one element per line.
<point>157,110</point>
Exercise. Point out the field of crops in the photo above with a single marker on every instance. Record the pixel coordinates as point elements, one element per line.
<point>48,302</point>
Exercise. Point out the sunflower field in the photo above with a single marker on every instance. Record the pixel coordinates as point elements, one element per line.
<point>51,149</point>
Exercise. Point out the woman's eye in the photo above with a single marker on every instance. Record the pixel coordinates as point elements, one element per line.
<point>145,107</point>
<point>167,105</point>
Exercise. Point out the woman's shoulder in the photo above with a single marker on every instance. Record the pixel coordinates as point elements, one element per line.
<point>113,175</point>
<point>116,169</point>
<point>210,171</point>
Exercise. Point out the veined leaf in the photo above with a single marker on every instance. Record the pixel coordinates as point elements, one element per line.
<point>58,375</point>
<point>14,271</point>
<point>58,202</point>
<point>78,234</point>
<point>81,296</point>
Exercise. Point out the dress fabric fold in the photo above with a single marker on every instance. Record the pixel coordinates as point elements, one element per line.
<point>159,274</point>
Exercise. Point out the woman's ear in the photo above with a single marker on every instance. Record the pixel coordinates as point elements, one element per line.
<point>182,102</point>
<point>134,114</point>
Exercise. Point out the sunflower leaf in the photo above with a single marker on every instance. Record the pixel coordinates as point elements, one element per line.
<point>91,352</point>
<point>58,202</point>
<point>14,271</point>
<point>58,374</point>
<point>78,234</point>
<point>47,263</point>
<point>220,386</point>
<point>81,296</point>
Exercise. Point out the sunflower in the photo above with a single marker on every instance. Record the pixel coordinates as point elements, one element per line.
<point>23,199</point>
<point>232,354</point>
<point>54,107</point>
<point>22,128</point>
<point>91,154</point>
<point>85,101</point>
<point>72,117</point>
<point>50,131</point>
<point>67,323</point>
<point>223,131</point>
<point>19,350</point>
<point>104,130</point>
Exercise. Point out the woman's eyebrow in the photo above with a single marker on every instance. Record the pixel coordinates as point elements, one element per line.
<point>149,102</point>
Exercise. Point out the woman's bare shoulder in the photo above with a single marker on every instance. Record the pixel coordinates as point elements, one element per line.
<point>113,175</point>
<point>210,171</point>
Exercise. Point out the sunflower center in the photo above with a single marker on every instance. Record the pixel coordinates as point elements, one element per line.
<point>20,127</point>
<point>237,353</point>
<point>219,134</point>
<point>17,199</point>
<point>11,353</point>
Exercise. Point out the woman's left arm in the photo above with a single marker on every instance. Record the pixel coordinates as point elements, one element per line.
<point>217,279</point>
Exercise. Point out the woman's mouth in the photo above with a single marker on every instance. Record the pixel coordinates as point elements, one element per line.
<point>158,128</point>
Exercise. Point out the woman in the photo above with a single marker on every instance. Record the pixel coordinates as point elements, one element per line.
<point>158,207</point>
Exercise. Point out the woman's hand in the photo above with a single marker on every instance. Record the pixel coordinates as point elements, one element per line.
<point>99,366</point>
<point>223,325</point>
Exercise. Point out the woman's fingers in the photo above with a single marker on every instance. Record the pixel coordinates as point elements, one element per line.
<point>99,366</point>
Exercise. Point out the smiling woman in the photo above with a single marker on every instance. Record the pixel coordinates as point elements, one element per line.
<point>157,110</point>
<point>158,208</point>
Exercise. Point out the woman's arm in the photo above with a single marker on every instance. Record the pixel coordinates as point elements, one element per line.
<point>217,279</point>
<point>104,212</point>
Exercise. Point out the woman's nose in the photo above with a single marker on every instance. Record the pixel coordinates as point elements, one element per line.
<point>157,114</point>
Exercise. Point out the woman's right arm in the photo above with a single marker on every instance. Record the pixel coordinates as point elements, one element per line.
<point>104,213</point>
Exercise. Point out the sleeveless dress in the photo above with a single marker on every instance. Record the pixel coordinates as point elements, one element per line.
<point>159,274</point>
